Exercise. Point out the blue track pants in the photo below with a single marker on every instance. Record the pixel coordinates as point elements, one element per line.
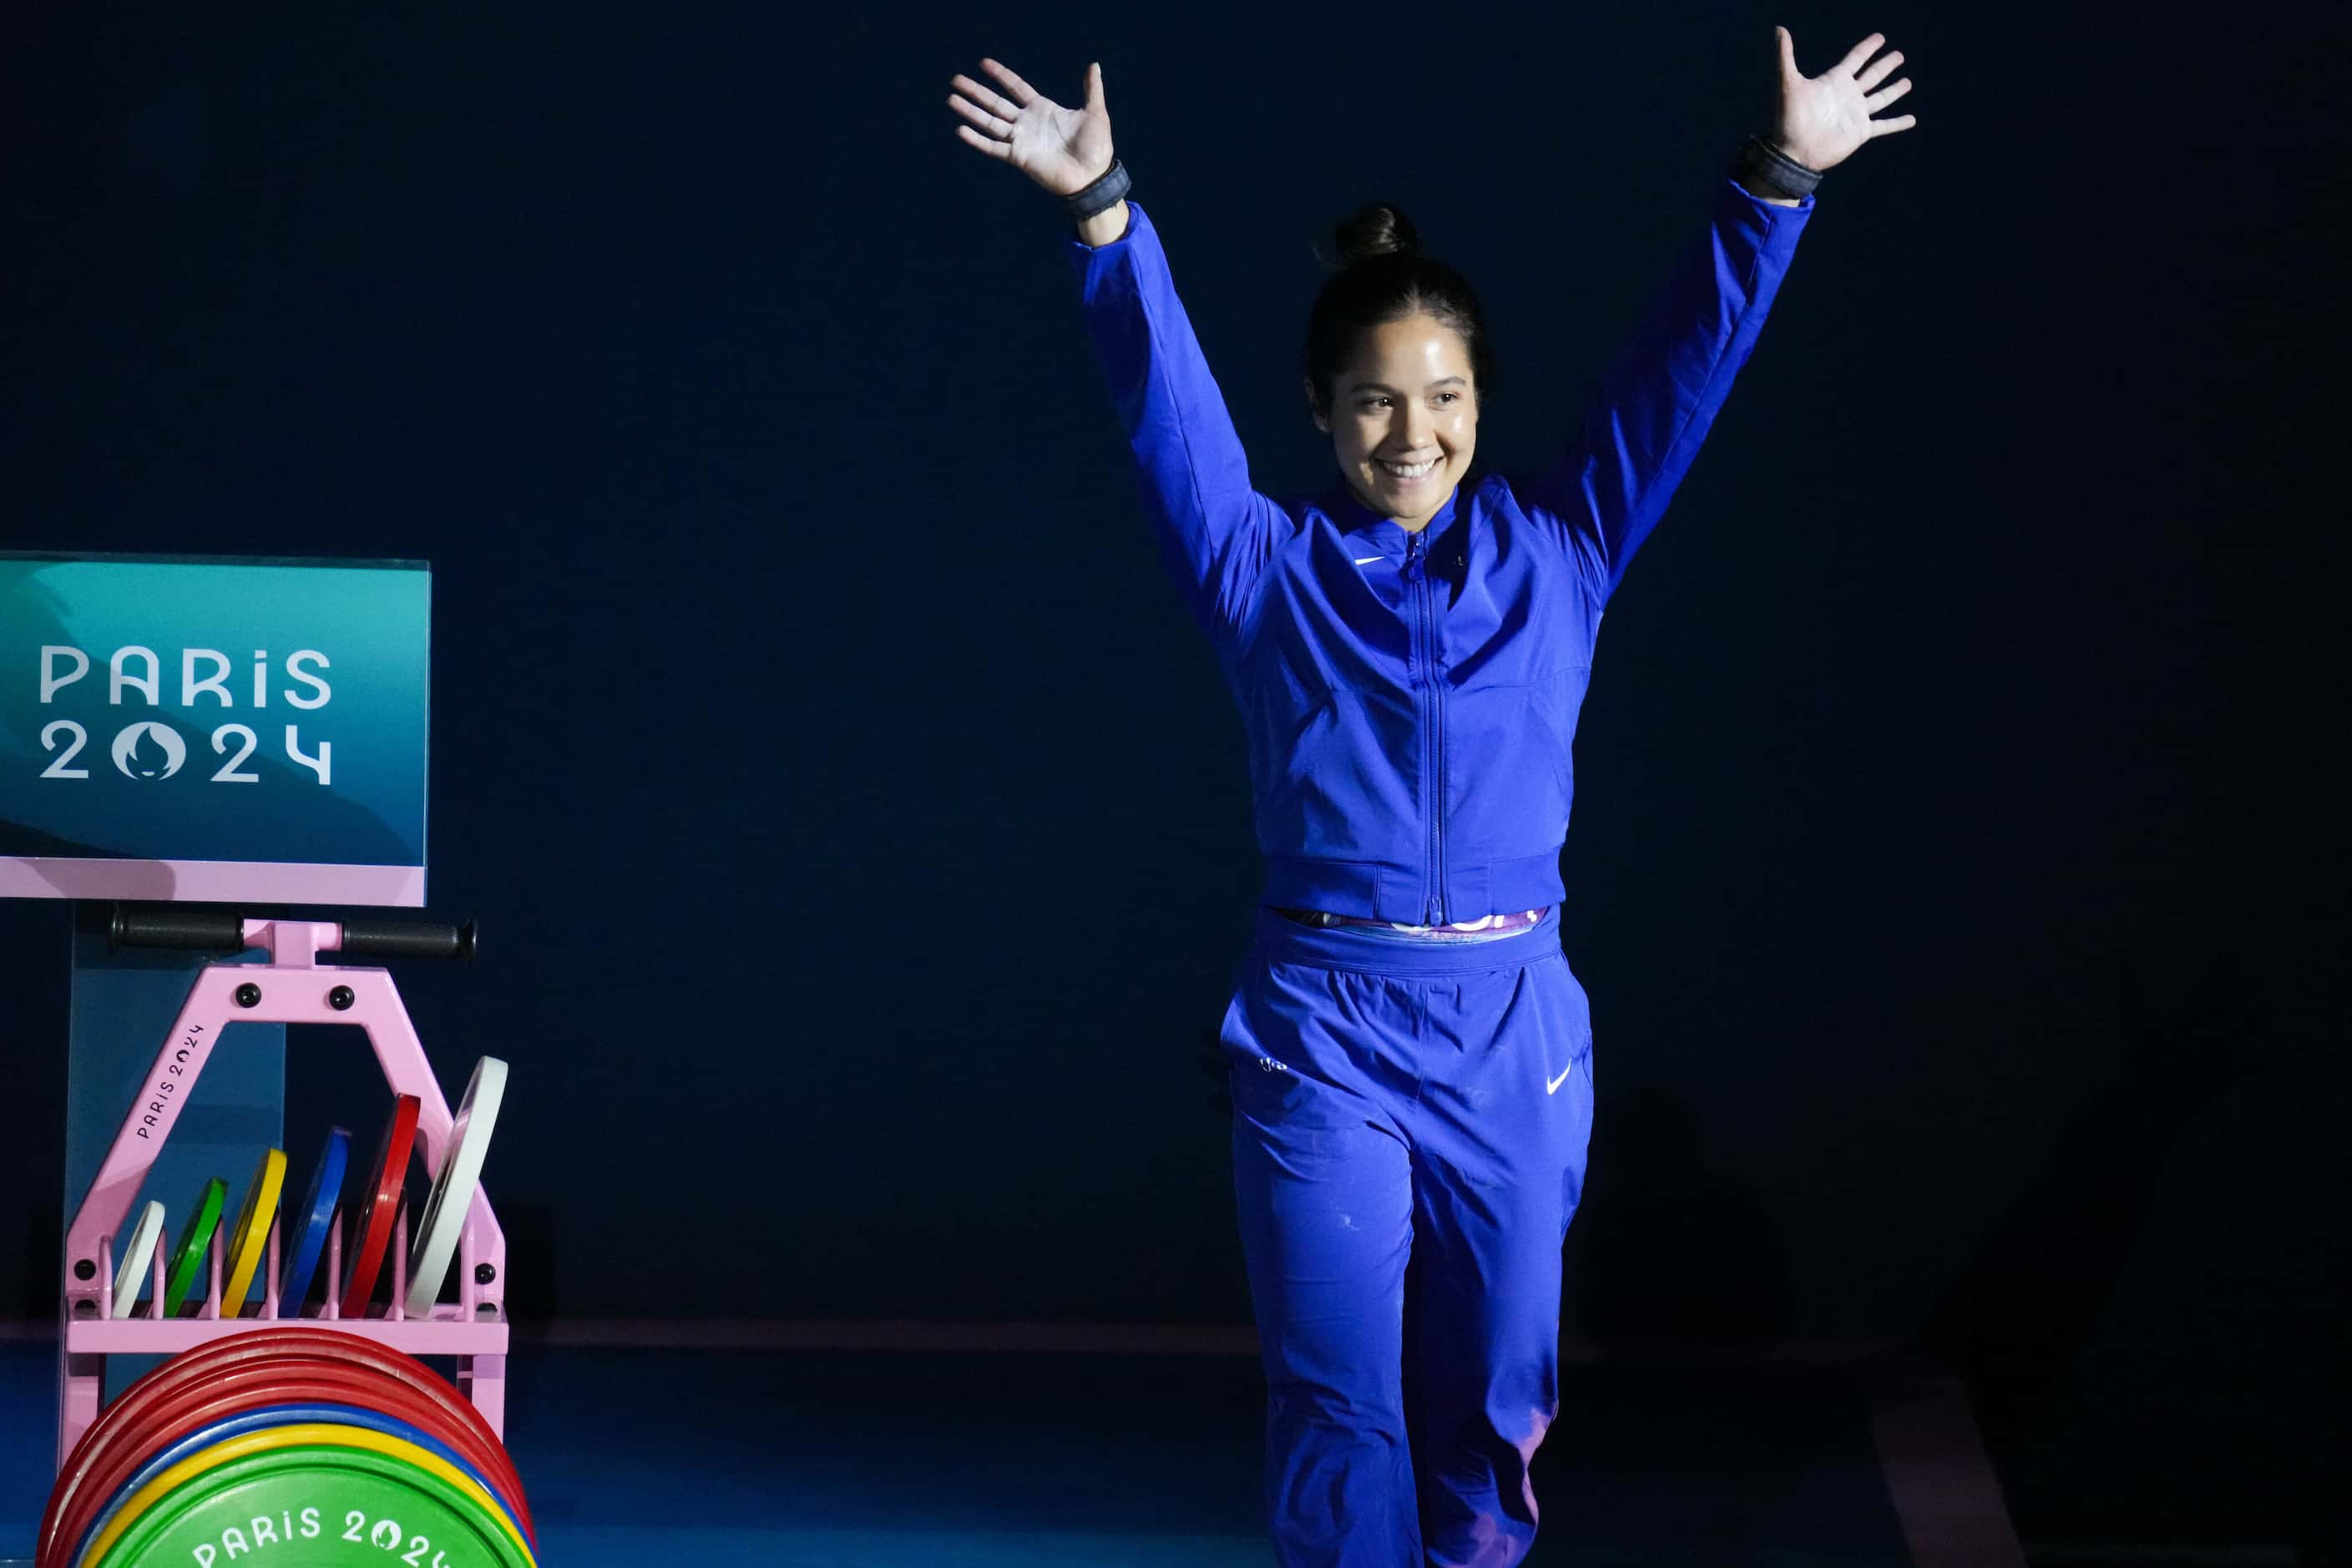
<point>1410,1123</point>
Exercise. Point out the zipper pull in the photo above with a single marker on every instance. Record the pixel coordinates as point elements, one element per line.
<point>1412,558</point>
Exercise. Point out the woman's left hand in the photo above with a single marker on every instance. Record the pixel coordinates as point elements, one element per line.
<point>1825,118</point>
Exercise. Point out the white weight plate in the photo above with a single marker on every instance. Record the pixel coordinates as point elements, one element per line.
<point>138,1259</point>
<point>453,1191</point>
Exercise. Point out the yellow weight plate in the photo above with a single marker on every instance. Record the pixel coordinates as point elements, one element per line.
<point>248,1239</point>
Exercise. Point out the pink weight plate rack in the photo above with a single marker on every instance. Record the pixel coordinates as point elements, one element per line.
<point>292,987</point>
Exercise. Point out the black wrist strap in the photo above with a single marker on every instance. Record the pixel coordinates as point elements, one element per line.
<point>1102,195</point>
<point>1767,171</point>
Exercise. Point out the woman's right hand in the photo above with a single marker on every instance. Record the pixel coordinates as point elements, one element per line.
<point>1064,150</point>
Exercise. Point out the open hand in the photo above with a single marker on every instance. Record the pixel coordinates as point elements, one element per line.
<point>1064,150</point>
<point>1823,119</point>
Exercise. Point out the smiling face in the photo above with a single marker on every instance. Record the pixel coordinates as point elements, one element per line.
<point>1404,417</point>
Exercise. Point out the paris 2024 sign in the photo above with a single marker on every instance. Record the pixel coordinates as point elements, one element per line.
<point>213,730</point>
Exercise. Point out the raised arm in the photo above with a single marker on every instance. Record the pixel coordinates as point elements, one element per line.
<point>1661,395</point>
<point>1216,530</point>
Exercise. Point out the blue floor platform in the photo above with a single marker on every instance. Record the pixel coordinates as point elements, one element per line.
<point>959,1460</point>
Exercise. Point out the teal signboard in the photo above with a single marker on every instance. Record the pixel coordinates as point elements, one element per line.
<point>213,729</point>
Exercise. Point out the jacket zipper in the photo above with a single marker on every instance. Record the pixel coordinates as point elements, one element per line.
<point>1433,744</point>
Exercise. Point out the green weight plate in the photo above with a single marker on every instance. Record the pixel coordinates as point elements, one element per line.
<point>190,1476</point>
<point>195,1244</point>
<point>333,1506</point>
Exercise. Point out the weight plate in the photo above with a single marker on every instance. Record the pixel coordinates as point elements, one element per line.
<point>248,1238</point>
<point>263,1348</point>
<point>261,1419</point>
<point>92,1481</point>
<point>453,1190</point>
<point>346,1507</point>
<point>190,1473</point>
<point>382,1193</point>
<point>138,1259</point>
<point>195,1244</point>
<point>316,1218</point>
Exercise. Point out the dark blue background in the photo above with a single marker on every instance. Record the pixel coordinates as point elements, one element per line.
<point>858,829</point>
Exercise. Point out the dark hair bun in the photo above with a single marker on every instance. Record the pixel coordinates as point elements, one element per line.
<point>1376,228</point>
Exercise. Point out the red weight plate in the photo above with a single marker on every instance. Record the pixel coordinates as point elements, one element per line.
<point>82,1487</point>
<point>133,1423</point>
<point>255,1348</point>
<point>461,1425</point>
<point>123,1420</point>
<point>307,1338</point>
<point>269,1344</point>
<point>93,1472</point>
<point>193,1409</point>
<point>258,1386</point>
<point>382,1193</point>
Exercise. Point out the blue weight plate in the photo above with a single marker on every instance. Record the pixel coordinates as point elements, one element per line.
<point>316,1217</point>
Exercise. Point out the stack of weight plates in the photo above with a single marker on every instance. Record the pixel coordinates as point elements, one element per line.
<point>288,1438</point>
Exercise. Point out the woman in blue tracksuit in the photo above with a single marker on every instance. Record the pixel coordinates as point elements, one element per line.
<point>1410,1056</point>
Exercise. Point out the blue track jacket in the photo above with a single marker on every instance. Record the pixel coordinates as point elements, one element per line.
<point>1410,699</point>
